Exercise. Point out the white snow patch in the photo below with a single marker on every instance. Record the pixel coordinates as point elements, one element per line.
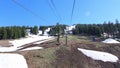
<point>69,28</point>
<point>30,39</point>
<point>12,61</point>
<point>97,55</point>
<point>17,44</point>
<point>46,32</point>
<point>39,42</point>
<point>39,32</point>
<point>7,49</point>
<point>32,48</point>
<point>12,49</point>
<point>110,41</point>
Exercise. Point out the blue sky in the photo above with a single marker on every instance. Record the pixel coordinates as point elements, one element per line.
<point>86,11</point>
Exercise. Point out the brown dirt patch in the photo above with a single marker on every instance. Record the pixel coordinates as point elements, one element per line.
<point>4,43</point>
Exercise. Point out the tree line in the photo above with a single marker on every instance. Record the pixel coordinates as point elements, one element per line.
<point>55,29</point>
<point>58,29</point>
<point>12,32</point>
<point>33,30</point>
<point>110,28</point>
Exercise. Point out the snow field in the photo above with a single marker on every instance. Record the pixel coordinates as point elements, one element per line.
<point>98,55</point>
<point>7,49</point>
<point>30,39</point>
<point>21,42</point>
<point>31,48</point>
<point>110,41</point>
<point>12,61</point>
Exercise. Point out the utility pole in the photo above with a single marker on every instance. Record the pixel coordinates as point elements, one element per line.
<point>66,36</point>
<point>66,39</point>
<point>58,36</point>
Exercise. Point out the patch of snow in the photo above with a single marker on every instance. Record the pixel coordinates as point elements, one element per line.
<point>39,42</point>
<point>110,41</point>
<point>17,44</point>
<point>46,32</point>
<point>30,39</point>
<point>7,49</point>
<point>97,55</point>
<point>32,48</point>
<point>12,61</point>
<point>39,32</point>
<point>69,28</point>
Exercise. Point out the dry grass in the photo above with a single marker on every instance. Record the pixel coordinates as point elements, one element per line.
<point>40,58</point>
<point>4,43</point>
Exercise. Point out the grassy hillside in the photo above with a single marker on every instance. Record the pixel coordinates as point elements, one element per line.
<point>54,56</point>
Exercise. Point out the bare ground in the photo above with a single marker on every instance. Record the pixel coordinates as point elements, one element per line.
<point>4,43</point>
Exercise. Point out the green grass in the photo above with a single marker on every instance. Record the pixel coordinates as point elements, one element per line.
<point>48,53</point>
<point>41,58</point>
<point>48,56</point>
<point>75,38</point>
<point>83,39</point>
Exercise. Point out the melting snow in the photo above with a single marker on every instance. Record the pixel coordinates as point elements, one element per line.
<point>69,28</point>
<point>39,32</point>
<point>46,32</point>
<point>7,49</point>
<point>12,61</point>
<point>110,41</point>
<point>30,39</point>
<point>32,48</point>
<point>16,60</point>
<point>20,42</point>
<point>39,42</point>
<point>97,55</point>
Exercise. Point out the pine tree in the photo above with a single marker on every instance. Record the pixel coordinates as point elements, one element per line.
<point>4,33</point>
<point>58,32</point>
<point>35,30</point>
<point>23,31</point>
